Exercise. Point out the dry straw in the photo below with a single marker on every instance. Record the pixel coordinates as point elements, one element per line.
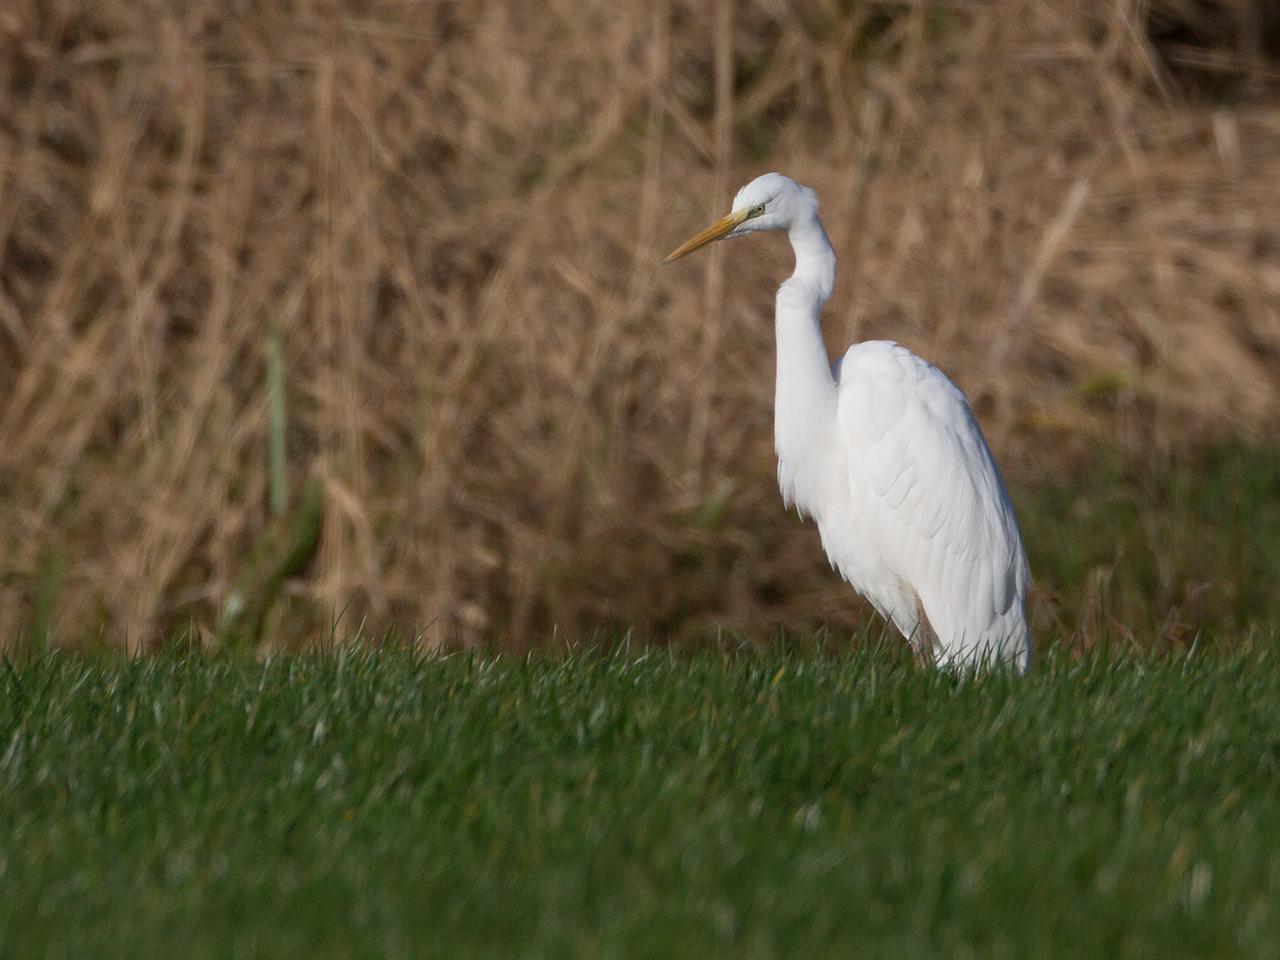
<point>518,424</point>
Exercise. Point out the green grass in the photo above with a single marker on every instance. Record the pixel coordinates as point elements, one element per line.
<point>750,804</point>
<point>1160,551</point>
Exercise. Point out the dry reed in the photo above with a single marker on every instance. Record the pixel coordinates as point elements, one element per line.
<point>454,211</point>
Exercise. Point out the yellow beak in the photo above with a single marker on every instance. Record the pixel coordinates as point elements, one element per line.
<point>713,232</point>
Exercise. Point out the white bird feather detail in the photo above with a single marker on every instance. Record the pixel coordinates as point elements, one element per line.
<point>882,450</point>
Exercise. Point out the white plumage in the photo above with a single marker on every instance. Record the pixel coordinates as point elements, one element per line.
<point>884,453</point>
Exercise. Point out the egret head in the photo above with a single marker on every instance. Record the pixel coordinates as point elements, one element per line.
<point>769,202</point>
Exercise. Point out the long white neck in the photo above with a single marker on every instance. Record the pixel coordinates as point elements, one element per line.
<point>804,408</point>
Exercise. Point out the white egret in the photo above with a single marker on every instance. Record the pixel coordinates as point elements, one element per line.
<point>884,453</point>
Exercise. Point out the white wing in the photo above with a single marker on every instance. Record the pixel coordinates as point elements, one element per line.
<point>930,524</point>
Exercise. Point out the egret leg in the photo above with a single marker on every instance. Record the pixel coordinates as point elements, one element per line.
<point>923,639</point>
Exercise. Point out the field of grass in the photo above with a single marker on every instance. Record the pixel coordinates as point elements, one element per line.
<point>750,803</point>
<point>332,320</point>
<point>1159,553</point>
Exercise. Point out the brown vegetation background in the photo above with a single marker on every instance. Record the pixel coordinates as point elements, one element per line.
<point>515,423</point>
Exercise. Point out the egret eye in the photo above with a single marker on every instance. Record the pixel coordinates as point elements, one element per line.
<point>758,210</point>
